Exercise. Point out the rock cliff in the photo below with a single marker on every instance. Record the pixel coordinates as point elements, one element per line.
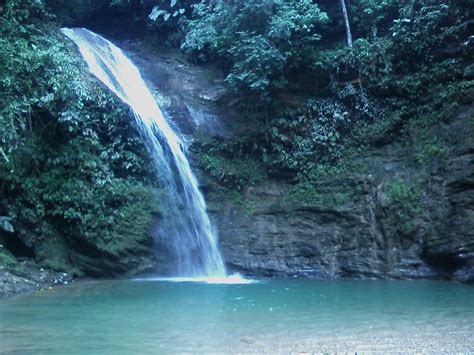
<point>395,215</point>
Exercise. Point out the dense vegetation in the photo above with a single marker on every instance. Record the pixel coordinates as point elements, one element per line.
<point>315,98</point>
<point>321,102</point>
<point>72,165</point>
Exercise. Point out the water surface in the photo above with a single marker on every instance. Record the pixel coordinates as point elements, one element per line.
<point>268,316</point>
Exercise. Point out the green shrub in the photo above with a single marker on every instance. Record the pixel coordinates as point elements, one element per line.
<point>263,39</point>
<point>238,173</point>
<point>71,155</point>
<point>310,195</point>
<point>7,260</point>
<point>404,207</point>
<point>430,149</point>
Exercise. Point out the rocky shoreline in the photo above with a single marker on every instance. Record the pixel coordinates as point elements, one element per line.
<point>28,277</point>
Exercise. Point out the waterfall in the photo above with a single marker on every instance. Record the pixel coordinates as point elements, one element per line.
<point>186,229</point>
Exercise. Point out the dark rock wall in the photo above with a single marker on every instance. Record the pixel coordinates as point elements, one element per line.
<point>367,232</point>
<point>364,236</point>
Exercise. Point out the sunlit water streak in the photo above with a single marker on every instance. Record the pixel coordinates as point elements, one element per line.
<point>186,229</point>
<point>225,280</point>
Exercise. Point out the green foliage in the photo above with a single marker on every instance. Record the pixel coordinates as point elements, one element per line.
<point>69,12</point>
<point>166,12</point>
<point>371,18</point>
<point>247,203</point>
<point>6,225</point>
<point>326,171</point>
<point>409,62</point>
<point>314,133</point>
<point>230,162</point>
<point>233,172</point>
<point>317,134</point>
<point>104,215</point>
<point>258,63</point>
<point>368,62</point>
<point>382,131</point>
<point>263,39</point>
<point>162,21</point>
<point>310,195</point>
<point>70,154</point>
<point>7,260</point>
<point>429,150</point>
<point>419,32</point>
<point>400,194</point>
<point>412,32</point>
<point>404,205</point>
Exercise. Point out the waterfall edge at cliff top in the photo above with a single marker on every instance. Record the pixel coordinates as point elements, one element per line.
<point>186,231</point>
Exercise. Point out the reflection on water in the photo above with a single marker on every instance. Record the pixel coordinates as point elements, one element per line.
<point>267,316</point>
<point>235,279</point>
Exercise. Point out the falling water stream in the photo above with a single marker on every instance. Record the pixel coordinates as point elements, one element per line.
<point>186,227</point>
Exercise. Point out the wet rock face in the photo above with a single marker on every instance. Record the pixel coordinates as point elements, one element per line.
<point>379,229</point>
<point>350,241</point>
<point>191,96</point>
<point>318,242</point>
<point>426,235</point>
<point>371,233</point>
<point>451,245</point>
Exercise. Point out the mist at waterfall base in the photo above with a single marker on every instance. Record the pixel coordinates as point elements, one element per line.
<point>185,229</point>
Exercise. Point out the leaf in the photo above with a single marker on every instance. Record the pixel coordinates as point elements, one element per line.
<point>167,17</point>
<point>6,225</point>
<point>173,2</point>
<point>156,13</point>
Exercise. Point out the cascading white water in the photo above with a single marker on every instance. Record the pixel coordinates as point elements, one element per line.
<point>186,227</point>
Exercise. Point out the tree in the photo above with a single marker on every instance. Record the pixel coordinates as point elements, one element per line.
<point>346,21</point>
<point>262,40</point>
